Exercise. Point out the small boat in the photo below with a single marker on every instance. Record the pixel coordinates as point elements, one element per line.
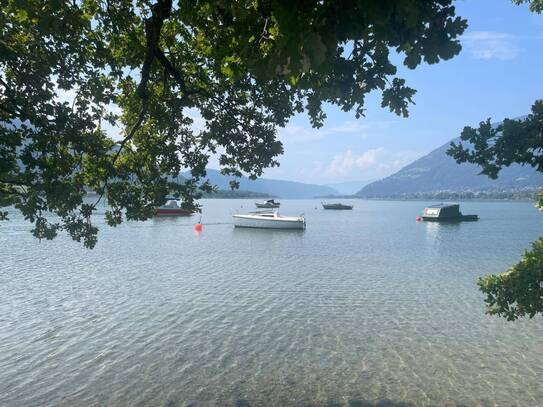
<point>268,220</point>
<point>446,213</point>
<point>336,206</point>
<point>172,207</point>
<point>268,204</point>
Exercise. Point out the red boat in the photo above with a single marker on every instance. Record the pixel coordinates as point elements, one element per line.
<point>172,207</point>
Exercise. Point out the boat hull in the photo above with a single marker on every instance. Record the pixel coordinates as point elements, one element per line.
<point>172,212</point>
<point>338,207</point>
<point>462,218</point>
<point>241,221</point>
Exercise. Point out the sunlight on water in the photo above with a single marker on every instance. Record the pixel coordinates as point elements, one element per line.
<point>362,307</point>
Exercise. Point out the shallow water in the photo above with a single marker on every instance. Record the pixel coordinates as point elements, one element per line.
<point>364,308</point>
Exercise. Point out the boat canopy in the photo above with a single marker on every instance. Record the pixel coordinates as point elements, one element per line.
<point>443,210</point>
<point>172,203</point>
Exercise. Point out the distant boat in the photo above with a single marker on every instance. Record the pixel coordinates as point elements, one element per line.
<point>336,206</point>
<point>172,207</point>
<point>446,213</point>
<point>268,220</point>
<point>268,204</point>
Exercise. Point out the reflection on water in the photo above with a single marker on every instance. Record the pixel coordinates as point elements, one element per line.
<point>266,233</point>
<point>363,308</point>
<point>437,232</point>
<point>433,228</point>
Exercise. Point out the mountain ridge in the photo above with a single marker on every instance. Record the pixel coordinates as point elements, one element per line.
<point>437,172</point>
<point>273,187</point>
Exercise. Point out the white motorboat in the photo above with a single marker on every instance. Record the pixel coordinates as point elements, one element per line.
<point>268,220</point>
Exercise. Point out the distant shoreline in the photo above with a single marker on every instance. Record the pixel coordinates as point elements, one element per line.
<point>450,199</point>
<point>339,197</point>
<point>428,198</point>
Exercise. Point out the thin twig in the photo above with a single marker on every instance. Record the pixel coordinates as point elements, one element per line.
<point>130,135</point>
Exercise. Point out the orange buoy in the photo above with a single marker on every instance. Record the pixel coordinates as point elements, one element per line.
<point>198,227</point>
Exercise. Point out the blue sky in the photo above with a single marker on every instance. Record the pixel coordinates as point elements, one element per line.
<point>498,74</point>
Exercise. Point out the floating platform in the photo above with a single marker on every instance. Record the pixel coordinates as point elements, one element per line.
<point>446,213</point>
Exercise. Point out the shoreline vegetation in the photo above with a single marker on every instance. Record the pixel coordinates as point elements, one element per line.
<point>221,194</point>
<point>491,195</point>
<point>521,196</point>
<point>235,194</point>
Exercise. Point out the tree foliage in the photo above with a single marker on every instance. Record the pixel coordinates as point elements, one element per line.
<point>145,70</point>
<point>494,147</point>
<point>518,291</point>
<point>535,5</point>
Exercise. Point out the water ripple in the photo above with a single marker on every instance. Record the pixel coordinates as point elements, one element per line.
<point>365,308</point>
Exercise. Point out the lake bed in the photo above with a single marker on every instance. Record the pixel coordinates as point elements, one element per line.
<point>364,306</point>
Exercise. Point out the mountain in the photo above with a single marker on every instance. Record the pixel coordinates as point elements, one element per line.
<point>349,187</point>
<point>437,172</point>
<point>235,194</point>
<point>273,187</point>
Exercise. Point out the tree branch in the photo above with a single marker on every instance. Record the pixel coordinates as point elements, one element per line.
<point>160,11</point>
<point>130,135</point>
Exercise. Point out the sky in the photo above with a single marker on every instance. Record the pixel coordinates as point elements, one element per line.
<point>497,75</point>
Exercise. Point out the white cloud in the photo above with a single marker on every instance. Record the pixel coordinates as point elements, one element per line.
<point>344,163</point>
<point>295,133</point>
<point>371,164</point>
<point>491,45</point>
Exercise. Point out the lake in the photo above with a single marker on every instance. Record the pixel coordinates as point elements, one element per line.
<point>363,308</point>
